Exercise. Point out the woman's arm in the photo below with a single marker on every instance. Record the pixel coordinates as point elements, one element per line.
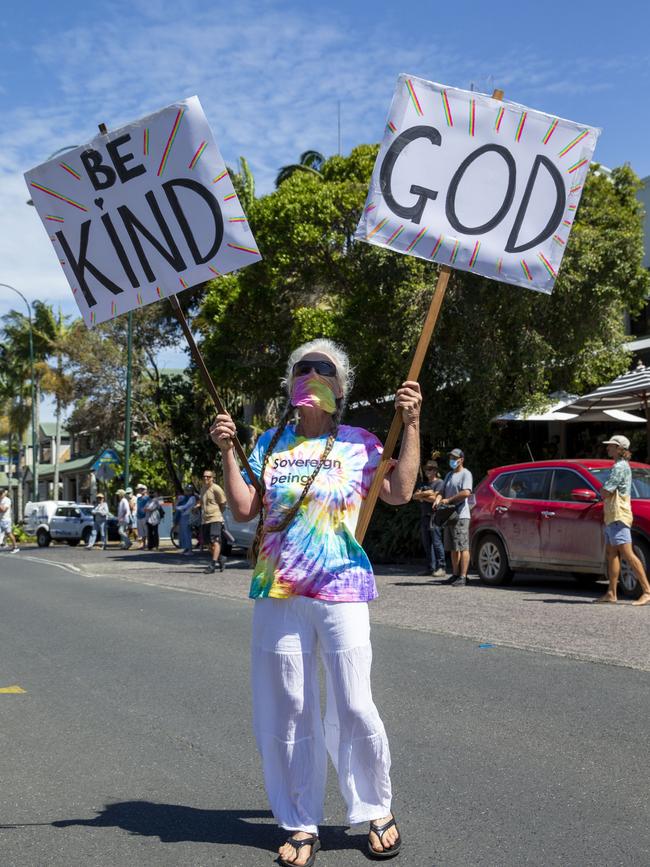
<point>397,487</point>
<point>242,498</point>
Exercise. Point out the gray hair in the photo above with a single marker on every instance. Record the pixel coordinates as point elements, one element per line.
<point>344,370</point>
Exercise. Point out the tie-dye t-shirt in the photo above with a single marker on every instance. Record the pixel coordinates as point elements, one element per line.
<point>317,554</point>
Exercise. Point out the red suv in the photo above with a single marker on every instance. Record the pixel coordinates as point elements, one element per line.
<point>549,515</point>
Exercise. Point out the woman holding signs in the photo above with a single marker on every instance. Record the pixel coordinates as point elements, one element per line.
<point>312,583</point>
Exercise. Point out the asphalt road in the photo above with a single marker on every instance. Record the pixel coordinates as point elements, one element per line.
<point>131,744</point>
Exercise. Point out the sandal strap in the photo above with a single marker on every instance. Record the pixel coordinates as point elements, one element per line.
<point>298,844</point>
<point>380,830</point>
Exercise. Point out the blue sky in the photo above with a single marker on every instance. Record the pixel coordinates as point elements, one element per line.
<point>270,76</point>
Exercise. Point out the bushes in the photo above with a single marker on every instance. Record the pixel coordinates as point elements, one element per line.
<point>394,533</point>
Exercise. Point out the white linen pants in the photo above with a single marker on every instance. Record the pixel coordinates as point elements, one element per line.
<point>292,738</point>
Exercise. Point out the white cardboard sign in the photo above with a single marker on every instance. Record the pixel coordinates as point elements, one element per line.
<point>142,212</point>
<point>476,183</point>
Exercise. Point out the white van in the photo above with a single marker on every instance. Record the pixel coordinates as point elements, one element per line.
<point>61,520</point>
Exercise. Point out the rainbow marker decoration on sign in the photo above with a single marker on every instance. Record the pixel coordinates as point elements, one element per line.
<point>572,144</point>
<point>197,156</point>
<point>520,126</point>
<point>58,196</point>
<point>170,141</point>
<point>496,193</point>
<point>414,98</point>
<point>415,240</point>
<point>550,131</point>
<point>447,108</point>
<point>70,171</point>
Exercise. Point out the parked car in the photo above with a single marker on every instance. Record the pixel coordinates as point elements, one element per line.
<point>63,521</point>
<point>548,515</point>
<point>242,533</point>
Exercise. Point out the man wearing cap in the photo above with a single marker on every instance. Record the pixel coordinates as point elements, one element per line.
<point>141,501</point>
<point>428,495</point>
<point>100,516</point>
<point>457,488</point>
<point>617,515</point>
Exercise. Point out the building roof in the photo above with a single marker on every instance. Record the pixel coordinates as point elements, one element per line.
<point>49,429</point>
<point>74,466</point>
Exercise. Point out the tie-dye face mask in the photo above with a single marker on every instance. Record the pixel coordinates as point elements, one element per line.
<point>313,390</point>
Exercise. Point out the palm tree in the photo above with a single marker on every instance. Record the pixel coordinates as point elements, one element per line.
<point>310,161</point>
<point>15,393</point>
<point>49,334</point>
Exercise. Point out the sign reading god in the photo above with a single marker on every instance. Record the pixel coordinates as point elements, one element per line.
<point>476,183</point>
<point>142,212</point>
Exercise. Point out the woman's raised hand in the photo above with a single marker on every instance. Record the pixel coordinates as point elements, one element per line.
<point>409,400</point>
<point>222,431</point>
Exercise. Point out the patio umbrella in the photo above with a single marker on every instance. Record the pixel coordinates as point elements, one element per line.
<point>562,409</point>
<point>630,391</point>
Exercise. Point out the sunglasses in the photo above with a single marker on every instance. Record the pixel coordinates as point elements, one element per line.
<point>324,368</point>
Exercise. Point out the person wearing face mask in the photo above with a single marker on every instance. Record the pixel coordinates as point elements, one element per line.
<point>311,583</point>
<point>457,489</point>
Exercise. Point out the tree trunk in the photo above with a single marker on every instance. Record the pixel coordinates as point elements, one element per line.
<point>57,435</point>
<point>9,476</point>
<point>171,468</point>
<point>19,489</point>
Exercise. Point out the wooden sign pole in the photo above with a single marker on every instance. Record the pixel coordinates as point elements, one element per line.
<point>369,503</point>
<point>205,374</point>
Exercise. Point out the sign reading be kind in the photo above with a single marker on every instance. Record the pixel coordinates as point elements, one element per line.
<point>142,212</point>
<point>476,183</point>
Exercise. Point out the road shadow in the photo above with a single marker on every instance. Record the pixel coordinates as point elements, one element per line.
<point>175,823</point>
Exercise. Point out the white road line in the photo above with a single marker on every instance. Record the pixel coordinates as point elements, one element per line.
<point>68,567</point>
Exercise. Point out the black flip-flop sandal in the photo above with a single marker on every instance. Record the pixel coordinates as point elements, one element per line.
<point>312,841</point>
<point>380,830</point>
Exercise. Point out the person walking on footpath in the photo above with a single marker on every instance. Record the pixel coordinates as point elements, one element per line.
<point>133,505</point>
<point>428,495</point>
<point>212,500</point>
<point>6,523</point>
<point>617,516</point>
<point>154,512</point>
<point>141,501</point>
<point>100,516</point>
<point>123,519</point>
<point>184,505</point>
<point>311,583</point>
<point>457,488</point>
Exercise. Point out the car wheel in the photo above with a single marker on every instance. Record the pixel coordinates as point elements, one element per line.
<point>492,561</point>
<point>85,536</point>
<point>627,579</point>
<point>72,542</point>
<point>43,538</point>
